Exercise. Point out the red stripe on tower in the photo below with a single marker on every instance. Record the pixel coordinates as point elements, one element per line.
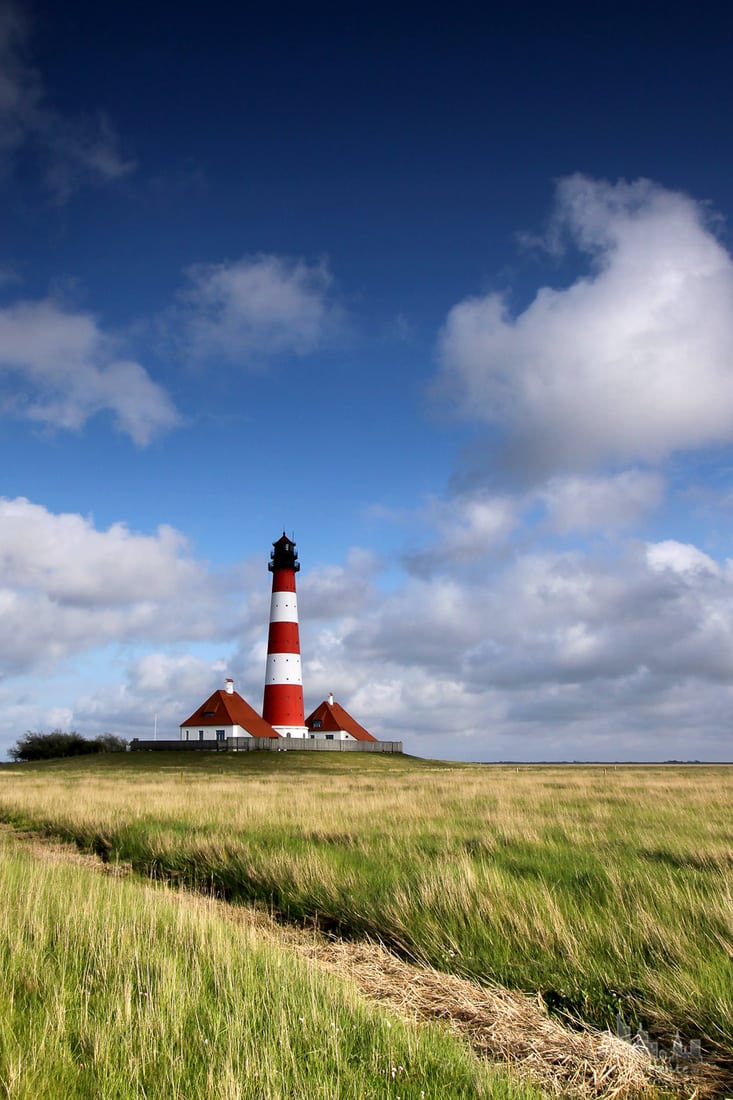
<point>282,706</point>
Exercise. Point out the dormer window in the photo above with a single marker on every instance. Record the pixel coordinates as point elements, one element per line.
<point>317,723</point>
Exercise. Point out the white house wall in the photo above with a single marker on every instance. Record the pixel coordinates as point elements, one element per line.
<point>191,733</point>
<point>292,731</point>
<point>331,735</point>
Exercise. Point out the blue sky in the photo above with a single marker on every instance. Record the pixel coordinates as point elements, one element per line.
<point>449,297</point>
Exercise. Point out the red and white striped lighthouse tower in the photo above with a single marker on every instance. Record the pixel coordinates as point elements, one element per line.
<point>283,703</point>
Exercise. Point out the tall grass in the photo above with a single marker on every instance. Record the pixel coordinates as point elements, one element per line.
<point>603,888</point>
<point>112,988</point>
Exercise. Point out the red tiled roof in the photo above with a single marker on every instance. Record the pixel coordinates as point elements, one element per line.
<point>333,718</point>
<point>226,708</point>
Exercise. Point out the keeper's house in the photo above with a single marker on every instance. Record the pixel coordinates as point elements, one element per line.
<point>330,722</point>
<point>223,716</point>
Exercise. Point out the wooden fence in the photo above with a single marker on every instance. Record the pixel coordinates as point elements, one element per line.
<point>265,744</point>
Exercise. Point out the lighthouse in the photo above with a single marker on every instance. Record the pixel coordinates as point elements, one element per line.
<point>283,702</point>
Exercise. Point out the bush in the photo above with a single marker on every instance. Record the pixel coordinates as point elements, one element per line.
<point>47,746</point>
<point>107,742</point>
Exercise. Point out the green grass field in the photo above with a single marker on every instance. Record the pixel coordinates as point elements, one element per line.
<point>598,887</point>
<point>114,989</point>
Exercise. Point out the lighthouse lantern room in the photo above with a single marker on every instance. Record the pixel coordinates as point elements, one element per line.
<point>282,706</point>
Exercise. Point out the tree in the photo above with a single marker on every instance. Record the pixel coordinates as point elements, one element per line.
<point>48,746</point>
<point>108,742</point>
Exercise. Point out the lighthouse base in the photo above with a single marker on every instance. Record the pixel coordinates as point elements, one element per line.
<point>293,731</point>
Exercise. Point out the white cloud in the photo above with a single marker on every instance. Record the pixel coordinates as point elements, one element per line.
<point>67,588</point>
<point>480,526</point>
<point>470,525</point>
<point>163,675</point>
<point>461,530</point>
<point>680,558</point>
<point>72,562</point>
<point>73,150</point>
<point>549,655</point>
<point>601,503</point>
<point>258,306</point>
<point>338,590</point>
<point>158,692</point>
<point>429,623</point>
<point>69,372</point>
<point>632,361</point>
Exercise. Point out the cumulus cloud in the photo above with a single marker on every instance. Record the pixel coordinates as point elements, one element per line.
<point>66,588</point>
<point>166,674</point>
<point>479,526</point>
<point>69,372</point>
<point>631,362</point>
<point>257,307</point>
<point>680,558</point>
<point>159,690</point>
<point>73,562</point>
<point>337,590</point>
<point>73,150</point>
<point>470,524</point>
<point>597,503</point>
<point>550,655</point>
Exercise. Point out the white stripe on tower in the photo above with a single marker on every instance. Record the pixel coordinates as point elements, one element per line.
<point>282,706</point>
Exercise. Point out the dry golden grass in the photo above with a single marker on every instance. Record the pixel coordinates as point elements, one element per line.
<point>514,1028</point>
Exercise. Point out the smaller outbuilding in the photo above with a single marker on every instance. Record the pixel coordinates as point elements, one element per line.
<point>330,722</point>
<point>224,715</point>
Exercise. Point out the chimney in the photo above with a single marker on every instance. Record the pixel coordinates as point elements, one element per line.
<point>230,685</point>
<point>330,698</point>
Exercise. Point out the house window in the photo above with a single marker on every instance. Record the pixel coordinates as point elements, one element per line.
<point>201,735</point>
<point>317,723</point>
<point>187,735</point>
<point>220,735</point>
<point>329,737</point>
